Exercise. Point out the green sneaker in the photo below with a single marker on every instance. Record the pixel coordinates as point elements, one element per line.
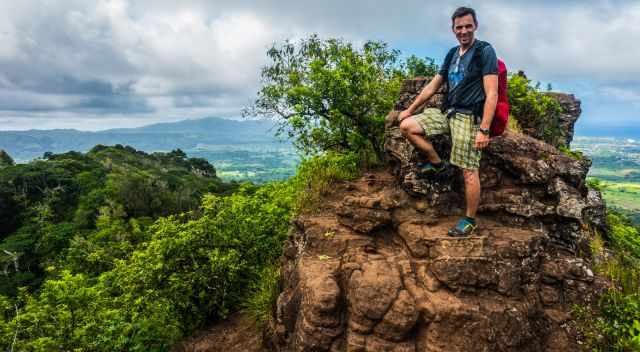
<point>429,169</point>
<point>464,227</point>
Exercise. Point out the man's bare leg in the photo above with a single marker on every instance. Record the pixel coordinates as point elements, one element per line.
<point>414,133</point>
<point>472,191</point>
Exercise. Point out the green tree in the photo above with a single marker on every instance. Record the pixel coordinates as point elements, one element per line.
<point>328,95</point>
<point>417,67</point>
<point>5,159</point>
<point>538,114</point>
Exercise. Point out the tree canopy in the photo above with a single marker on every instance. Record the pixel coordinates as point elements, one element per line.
<point>329,95</point>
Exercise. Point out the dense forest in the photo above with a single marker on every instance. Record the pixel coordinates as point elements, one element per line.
<point>120,250</point>
<point>53,205</point>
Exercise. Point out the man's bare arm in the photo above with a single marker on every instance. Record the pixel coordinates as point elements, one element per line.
<point>427,92</point>
<point>490,83</point>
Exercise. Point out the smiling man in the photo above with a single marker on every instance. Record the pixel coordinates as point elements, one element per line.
<point>471,72</point>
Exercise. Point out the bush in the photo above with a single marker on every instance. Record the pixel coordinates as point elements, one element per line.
<point>329,96</point>
<point>167,279</point>
<point>263,296</point>
<point>574,154</point>
<point>613,324</point>
<point>537,114</point>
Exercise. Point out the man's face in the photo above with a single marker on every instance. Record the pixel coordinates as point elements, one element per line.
<point>463,28</point>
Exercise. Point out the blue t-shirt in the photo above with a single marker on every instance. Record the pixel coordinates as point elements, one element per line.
<point>459,64</point>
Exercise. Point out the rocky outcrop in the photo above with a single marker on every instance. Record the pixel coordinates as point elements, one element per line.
<point>524,181</point>
<point>372,269</point>
<point>570,113</point>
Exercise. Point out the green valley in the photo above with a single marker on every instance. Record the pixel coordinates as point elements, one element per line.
<point>616,168</point>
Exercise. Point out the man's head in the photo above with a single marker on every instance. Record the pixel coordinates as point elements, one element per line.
<point>464,23</point>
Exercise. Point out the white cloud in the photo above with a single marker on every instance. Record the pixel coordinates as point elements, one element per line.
<point>567,40</point>
<point>194,57</point>
<point>622,94</point>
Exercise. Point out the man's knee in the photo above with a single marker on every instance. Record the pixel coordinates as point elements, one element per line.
<point>410,126</point>
<point>405,126</point>
<point>470,175</point>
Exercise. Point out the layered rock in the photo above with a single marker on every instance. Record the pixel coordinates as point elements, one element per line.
<point>374,270</point>
<point>571,111</point>
<point>524,180</point>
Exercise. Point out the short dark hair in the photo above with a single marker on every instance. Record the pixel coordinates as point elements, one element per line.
<point>463,11</point>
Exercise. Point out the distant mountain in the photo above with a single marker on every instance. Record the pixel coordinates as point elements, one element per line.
<point>209,125</point>
<point>186,134</point>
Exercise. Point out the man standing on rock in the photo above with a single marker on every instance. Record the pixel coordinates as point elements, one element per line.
<point>471,71</point>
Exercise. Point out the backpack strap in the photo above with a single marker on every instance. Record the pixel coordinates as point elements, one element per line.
<point>448,58</point>
<point>477,54</point>
<point>447,62</point>
<point>477,58</point>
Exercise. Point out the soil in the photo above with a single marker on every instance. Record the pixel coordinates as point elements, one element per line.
<point>238,333</point>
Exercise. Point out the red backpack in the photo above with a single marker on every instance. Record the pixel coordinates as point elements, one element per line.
<point>501,116</point>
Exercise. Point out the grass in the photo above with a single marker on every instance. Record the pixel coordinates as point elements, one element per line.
<point>317,175</point>
<point>513,124</point>
<point>264,295</point>
<point>613,323</point>
<point>574,154</point>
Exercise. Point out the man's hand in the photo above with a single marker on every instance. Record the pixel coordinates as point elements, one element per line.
<point>404,114</point>
<point>482,140</point>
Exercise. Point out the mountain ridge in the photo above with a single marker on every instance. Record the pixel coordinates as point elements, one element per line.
<point>184,134</point>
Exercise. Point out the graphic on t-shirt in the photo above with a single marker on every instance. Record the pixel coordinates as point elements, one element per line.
<point>456,71</point>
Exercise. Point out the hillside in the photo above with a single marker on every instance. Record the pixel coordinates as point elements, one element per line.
<point>187,134</point>
<point>50,209</point>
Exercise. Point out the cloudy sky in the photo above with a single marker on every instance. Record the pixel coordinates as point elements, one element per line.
<point>93,65</point>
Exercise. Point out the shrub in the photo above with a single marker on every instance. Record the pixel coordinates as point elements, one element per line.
<point>574,154</point>
<point>170,277</point>
<point>263,296</point>
<point>537,113</point>
<point>613,324</point>
<point>328,95</point>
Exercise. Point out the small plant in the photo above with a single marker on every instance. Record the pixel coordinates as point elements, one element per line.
<point>513,124</point>
<point>537,113</point>
<point>613,324</point>
<point>317,174</point>
<point>596,184</point>
<point>263,295</point>
<point>574,154</point>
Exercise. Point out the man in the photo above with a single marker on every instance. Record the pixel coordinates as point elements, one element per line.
<point>471,72</point>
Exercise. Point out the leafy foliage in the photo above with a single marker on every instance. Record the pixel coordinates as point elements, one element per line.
<point>5,159</point>
<point>263,297</point>
<point>419,67</point>
<point>140,286</point>
<point>574,154</point>
<point>54,205</point>
<point>329,95</point>
<point>536,112</point>
<point>614,323</point>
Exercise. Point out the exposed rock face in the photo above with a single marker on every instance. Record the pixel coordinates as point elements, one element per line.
<point>373,269</point>
<point>524,180</point>
<point>570,112</point>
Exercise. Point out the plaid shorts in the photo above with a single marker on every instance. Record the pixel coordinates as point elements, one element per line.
<point>463,132</point>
